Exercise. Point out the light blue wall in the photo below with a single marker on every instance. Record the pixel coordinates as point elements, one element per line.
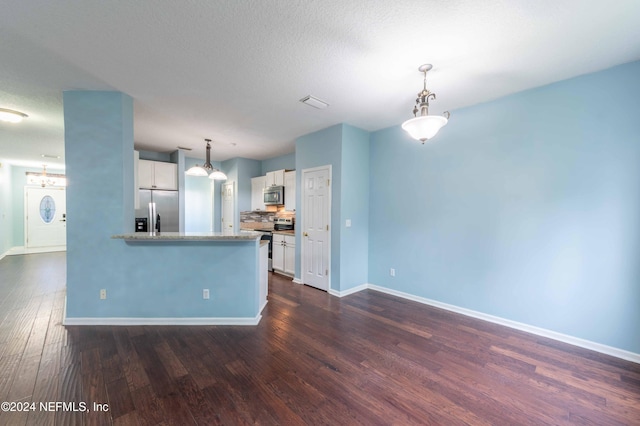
<point>155,156</point>
<point>287,162</point>
<point>354,202</point>
<point>97,125</point>
<point>6,209</point>
<point>241,170</point>
<point>525,208</point>
<point>199,203</point>
<point>321,148</point>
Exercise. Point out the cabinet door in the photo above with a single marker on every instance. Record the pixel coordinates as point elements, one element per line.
<point>275,178</point>
<point>257,200</point>
<point>145,174</point>
<point>165,175</point>
<point>289,255</point>
<point>277,254</point>
<point>290,191</point>
<point>279,177</point>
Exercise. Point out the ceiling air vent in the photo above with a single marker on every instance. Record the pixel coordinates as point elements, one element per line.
<point>314,102</point>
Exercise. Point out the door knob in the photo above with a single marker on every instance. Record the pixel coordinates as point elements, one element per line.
<point>305,234</point>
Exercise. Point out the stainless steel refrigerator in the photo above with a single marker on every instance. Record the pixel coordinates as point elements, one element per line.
<point>166,206</point>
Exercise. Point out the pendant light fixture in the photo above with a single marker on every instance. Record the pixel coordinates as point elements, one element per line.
<point>425,126</point>
<point>207,168</point>
<point>45,179</point>
<point>11,116</point>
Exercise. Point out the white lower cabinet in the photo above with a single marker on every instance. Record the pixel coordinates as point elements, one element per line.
<point>284,254</point>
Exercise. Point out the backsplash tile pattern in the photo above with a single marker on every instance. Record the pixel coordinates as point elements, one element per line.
<point>261,219</point>
<point>257,216</point>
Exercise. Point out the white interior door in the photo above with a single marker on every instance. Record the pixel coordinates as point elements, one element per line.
<point>46,217</point>
<point>228,208</point>
<point>316,209</point>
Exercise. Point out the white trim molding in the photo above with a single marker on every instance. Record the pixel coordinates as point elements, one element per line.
<point>162,321</point>
<point>23,250</point>
<point>349,291</point>
<point>297,280</point>
<point>576,341</point>
<point>264,305</point>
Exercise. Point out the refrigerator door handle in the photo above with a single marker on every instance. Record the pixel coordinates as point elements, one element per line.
<point>152,217</point>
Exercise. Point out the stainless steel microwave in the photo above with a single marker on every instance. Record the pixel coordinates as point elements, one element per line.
<point>273,196</point>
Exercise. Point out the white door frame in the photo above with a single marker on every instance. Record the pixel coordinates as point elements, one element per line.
<point>25,248</point>
<point>302,217</point>
<point>233,206</point>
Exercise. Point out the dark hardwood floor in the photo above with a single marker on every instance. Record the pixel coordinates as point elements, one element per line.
<point>368,358</point>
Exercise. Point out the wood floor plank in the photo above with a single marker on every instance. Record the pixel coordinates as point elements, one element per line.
<point>369,358</point>
<point>119,398</point>
<point>150,409</point>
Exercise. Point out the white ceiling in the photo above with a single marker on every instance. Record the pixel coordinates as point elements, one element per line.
<point>234,70</point>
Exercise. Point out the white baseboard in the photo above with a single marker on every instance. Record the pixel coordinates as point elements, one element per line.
<point>162,321</point>
<point>263,306</point>
<point>587,344</point>
<point>347,292</point>
<point>24,250</point>
<point>297,280</point>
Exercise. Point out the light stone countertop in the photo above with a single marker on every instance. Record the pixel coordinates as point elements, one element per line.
<point>188,236</point>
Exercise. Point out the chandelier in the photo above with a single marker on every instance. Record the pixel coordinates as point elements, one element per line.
<point>46,179</point>
<point>425,126</point>
<point>207,168</point>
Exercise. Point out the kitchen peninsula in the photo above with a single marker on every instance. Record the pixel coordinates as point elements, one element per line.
<point>161,279</point>
<point>205,278</point>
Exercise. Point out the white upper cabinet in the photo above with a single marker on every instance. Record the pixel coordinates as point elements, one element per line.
<point>157,175</point>
<point>290,190</point>
<point>275,178</point>
<point>257,200</point>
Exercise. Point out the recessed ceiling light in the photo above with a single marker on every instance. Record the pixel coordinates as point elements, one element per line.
<point>11,115</point>
<point>314,102</point>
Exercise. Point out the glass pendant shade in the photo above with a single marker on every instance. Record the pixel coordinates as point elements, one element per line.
<point>197,171</point>
<point>424,127</point>
<point>217,175</point>
<point>11,116</point>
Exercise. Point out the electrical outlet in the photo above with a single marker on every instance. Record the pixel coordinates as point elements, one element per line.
<point>392,272</point>
<point>103,294</point>
<point>347,223</point>
<point>205,293</point>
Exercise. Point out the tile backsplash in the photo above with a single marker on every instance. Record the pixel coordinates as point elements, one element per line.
<point>257,216</point>
<point>262,219</point>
